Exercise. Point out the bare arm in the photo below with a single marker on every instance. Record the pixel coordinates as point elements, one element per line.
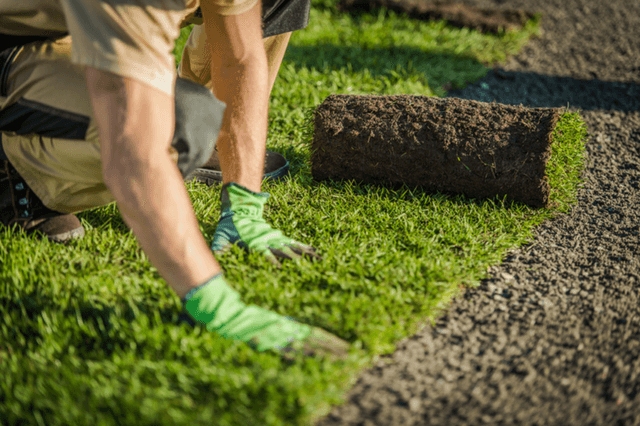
<point>240,77</point>
<point>136,124</point>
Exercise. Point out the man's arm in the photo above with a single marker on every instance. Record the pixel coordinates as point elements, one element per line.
<point>240,77</point>
<point>136,124</point>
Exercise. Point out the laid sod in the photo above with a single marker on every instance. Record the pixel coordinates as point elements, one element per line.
<point>89,333</point>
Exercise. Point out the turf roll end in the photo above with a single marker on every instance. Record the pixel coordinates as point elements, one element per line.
<point>447,145</point>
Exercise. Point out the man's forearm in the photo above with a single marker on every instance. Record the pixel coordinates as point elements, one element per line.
<point>242,139</point>
<point>135,124</point>
<point>240,77</point>
<point>155,205</point>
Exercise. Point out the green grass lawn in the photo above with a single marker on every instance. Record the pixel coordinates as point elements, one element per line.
<point>89,332</point>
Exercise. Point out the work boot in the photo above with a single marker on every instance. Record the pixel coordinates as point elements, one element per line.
<point>276,167</point>
<point>20,206</point>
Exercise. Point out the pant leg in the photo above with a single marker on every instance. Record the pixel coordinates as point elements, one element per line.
<point>48,130</point>
<point>195,64</point>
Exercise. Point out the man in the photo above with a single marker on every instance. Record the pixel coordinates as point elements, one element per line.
<point>97,115</point>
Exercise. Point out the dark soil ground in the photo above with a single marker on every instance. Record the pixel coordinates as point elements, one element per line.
<point>553,337</point>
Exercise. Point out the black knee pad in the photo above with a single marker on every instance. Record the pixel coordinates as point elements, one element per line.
<point>278,16</point>
<point>198,122</point>
<point>284,16</point>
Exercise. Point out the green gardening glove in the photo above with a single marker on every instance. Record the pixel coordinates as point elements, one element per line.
<point>219,308</point>
<point>241,223</point>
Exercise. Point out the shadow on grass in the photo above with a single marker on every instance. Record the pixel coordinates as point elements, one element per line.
<point>105,217</point>
<point>397,62</point>
<point>403,192</point>
<point>97,325</point>
<point>537,90</point>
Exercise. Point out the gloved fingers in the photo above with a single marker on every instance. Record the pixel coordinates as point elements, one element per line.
<point>305,250</point>
<point>272,258</point>
<point>284,252</point>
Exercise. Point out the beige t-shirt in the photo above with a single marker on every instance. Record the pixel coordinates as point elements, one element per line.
<point>130,38</point>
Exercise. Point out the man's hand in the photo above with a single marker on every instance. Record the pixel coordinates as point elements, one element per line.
<point>241,223</point>
<point>136,124</point>
<point>220,309</point>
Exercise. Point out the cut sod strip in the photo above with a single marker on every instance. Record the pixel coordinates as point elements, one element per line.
<point>89,332</point>
<point>479,149</point>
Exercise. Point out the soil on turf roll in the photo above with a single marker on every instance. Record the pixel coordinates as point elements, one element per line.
<point>457,14</point>
<point>478,149</point>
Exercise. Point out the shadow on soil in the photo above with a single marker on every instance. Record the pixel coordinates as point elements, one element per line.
<point>536,90</point>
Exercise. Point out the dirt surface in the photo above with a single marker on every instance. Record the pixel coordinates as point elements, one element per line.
<point>447,145</point>
<point>553,337</point>
<point>458,14</point>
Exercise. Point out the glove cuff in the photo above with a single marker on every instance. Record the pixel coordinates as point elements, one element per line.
<point>193,291</point>
<point>234,196</point>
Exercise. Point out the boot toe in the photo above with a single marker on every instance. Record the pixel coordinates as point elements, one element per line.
<point>61,228</point>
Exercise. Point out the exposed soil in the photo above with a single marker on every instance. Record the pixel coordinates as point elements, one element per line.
<point>449,145</point>
<point>455,12</point>
<point>553,337</point>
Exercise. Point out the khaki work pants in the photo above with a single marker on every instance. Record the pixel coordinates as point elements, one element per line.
<point>64,171</point>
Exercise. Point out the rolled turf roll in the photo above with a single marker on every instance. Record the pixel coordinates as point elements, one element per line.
<point>448,145</point>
